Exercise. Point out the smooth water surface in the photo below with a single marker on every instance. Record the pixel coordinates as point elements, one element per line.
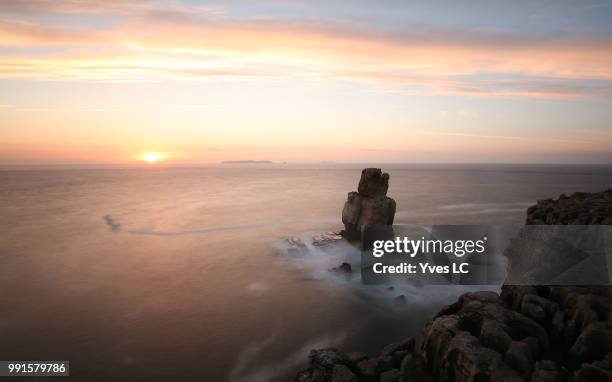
<point>176,274</point>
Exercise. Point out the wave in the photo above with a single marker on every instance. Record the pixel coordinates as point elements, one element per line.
<point>265,372</point>
<point>114,226</point>
<point>316,261</point>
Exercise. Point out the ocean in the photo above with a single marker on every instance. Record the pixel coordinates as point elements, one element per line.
<point>145,274</point>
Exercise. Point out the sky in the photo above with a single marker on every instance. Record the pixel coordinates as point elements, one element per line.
<point>105,82</point>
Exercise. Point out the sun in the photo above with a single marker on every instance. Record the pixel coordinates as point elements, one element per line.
<point>152,157</point>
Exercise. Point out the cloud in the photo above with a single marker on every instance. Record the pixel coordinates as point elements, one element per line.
<point>499,137</point>
<point>117,7</point>
<point>379,150</point>
<point>156,41</point>
<point>200,105</point>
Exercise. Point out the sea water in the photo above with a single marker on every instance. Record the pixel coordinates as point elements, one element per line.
<point>156,273</point>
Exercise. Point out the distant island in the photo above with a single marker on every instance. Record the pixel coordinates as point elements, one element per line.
<point>246,161</point>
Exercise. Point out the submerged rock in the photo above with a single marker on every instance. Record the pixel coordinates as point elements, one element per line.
<point>369,206</point>
<point>344,268</point>
<point>296,242</point>
<point>326,238</point>
<point>295,245</point>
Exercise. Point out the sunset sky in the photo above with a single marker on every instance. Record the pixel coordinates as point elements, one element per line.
<point>103,82</point>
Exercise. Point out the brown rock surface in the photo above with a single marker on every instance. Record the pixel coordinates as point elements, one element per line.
<point>578,209</point>
<point>369,206</point>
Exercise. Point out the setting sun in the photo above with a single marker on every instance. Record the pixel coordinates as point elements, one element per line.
<point>152,157</point>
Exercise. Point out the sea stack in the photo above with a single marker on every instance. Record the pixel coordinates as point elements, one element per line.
<point>369,206</point>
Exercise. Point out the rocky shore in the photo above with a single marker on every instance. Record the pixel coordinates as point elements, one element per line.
<point>526,333</point>
<point>578,209</point>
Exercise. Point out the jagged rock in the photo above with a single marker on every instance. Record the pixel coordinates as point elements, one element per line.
<point>392,375</point>
<point>373,182</point>
<point>465,359</point>
<point>406,345</point>
<point>557,326</point>
<point>341,373</point>
<point>369,206</point>
<point>325,238</point>
<point>324,366</point>
<point>411,368</point>
<point>538,308</point>
<point>401,299</point>
<point>327,358</point>
<point>548,371</point>
<point>296,241</point>
<point>549,255</point>
<point>296,245</point>
<point>481,337</point>
<point>519,357</point>
<point>478,330</point>
<point>494,336</point>
<point>590,373</point>
<point>534,346</point>
<point>370,369</point>
<point>344,268</point>
<point>354,358</point>
<point>604,363</point>
<point>513,295</point>
<point>592,344</point>
<point>578,209</point>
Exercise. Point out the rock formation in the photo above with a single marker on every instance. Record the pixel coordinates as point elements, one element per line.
<point>528,333</point>
<point>369,206</point>
<point>577,209</point>
<point>344,268</point>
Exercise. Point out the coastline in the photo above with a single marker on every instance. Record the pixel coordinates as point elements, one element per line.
<point>537,333</point>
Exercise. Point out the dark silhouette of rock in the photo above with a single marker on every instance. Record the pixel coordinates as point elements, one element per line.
<point>548,371</point>
<point>593,344</point>
<point>328,365</point>
<point>405,345</point>
<point>344,268</point>
<point>463,342</point>
<point>392,375</point>
<point>369,206</point>
<point>342,373</point>
<point>592,373</point>
<point>578,209</point>
<point>373,182</point>
<point>519,357</point>
<point>331,365</point>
